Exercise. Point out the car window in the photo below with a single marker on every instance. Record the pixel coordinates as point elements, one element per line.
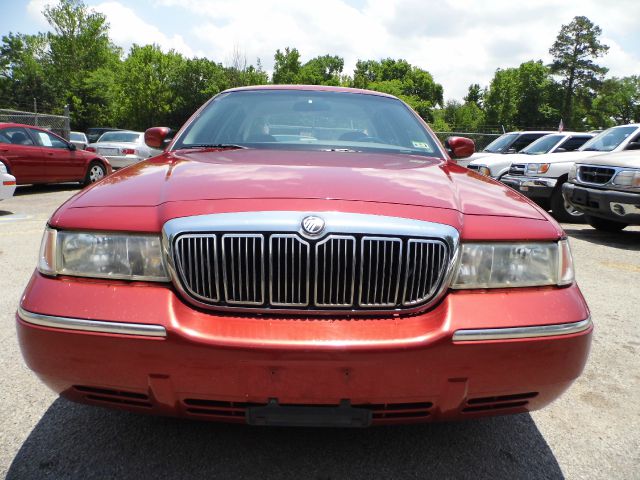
<point>573,143</point>
<point>609,139</point>
<point>15,136</point>
<point>48,140</point>
<point>309,120</point>
<point>78,137</point>
<point>542,145</point>
<point>501,143</point>
<point>524,140</point>
<point>126,137</point>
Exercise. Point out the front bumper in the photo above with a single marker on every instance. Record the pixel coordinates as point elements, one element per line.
<point>536,188</point>
<point>610,204</point>
<point>184,362</point>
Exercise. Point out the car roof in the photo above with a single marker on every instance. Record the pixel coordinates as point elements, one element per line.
<point>314,88</point>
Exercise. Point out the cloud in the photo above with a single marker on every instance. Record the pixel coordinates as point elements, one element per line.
<point>459,41</point>
<point>127,28</point>
<point>35,9</point>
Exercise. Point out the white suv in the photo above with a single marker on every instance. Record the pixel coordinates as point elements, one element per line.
<point>496,166</point>
<point>505,145</point>
<point>541,178</point>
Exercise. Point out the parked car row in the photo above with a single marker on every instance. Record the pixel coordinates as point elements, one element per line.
<point>540,169</point>
<point>123,148</point>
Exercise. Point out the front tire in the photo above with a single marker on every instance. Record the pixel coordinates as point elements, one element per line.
<point>95,172</point>
<point>605,225</point>
<point>562,210</point>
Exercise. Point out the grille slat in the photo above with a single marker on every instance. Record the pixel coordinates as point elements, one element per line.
<point>234,269</point>
<point>517,169</point>
<point>595,175</point>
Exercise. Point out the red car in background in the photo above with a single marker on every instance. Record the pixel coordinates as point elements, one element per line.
<point>305,256</point>
<point>35,155</point>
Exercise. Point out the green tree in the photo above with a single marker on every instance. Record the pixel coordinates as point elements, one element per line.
<point>78,46</point>
<point>24,74</point>
<point>618,102</point>
<point>474,95</point>
<point>287,66</point>
<point>323,70</point>
<point>501,98</point>
<point>574,51</point>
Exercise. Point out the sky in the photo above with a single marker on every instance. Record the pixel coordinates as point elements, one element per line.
<point>459,42</point>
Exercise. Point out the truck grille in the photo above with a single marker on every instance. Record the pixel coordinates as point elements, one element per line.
<point>595,175</point>
<point>517,169</point>
<point>286,271</point>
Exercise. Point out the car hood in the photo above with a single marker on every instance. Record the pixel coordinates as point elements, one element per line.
<point>625,159</point>
<point>185,176</point>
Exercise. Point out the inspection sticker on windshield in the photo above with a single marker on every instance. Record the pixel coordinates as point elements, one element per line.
<point>420,144</point>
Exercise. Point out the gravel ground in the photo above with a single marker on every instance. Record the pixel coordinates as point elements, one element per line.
<point>593,431</point>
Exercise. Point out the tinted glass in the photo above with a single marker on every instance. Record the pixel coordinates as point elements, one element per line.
<point>125,137</point>
<point>77,137</point>
<point>48,140</point>
<point>542,145</point>
<point>609,139</point>
<point>524,140</point>
<point>309,120</point>
<point>501,144</point>
<point>15,136</point>
<point>574,143</point>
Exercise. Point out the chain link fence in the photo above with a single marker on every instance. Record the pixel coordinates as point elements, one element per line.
<point>59,124</point>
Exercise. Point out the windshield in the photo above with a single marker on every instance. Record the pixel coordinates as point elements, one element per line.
<point>124,137</point>
<point>309,120</point>
<point>501,143</point>
<point>78,137</point>
<point>609,139</point>
<point>542,145</point>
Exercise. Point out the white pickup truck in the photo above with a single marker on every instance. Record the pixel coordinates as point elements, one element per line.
<point>541,178</point>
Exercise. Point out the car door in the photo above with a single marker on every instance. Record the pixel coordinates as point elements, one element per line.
<point>63,164</point>
<point>24,156</point>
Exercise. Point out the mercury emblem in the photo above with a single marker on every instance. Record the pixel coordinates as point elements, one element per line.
<point>312,225</point>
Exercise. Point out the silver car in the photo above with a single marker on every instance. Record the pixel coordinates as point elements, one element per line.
<point>79,139</point>
<point>123,148</point>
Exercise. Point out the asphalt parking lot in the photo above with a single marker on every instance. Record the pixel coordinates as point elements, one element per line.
<point>593,431</point>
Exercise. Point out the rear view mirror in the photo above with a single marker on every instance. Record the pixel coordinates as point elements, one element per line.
<point>158,137</point>
<point>459,147</point>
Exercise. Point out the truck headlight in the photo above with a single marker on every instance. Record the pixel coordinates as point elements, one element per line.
<point>483,170</point>
<point>102,255</point>
<point>538,168</point>
<point>627,179</point>
<point>505,265</point>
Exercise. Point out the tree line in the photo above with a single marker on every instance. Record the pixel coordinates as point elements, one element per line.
<point>77,64</point>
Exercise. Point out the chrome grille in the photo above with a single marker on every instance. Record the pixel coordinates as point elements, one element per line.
<point>289,270</point>
<point>335,271</point>
<point>380,264</point>
<point>197,263</point>
<point>595,175</point>
<point>426,262</point>
<point>517,169</point>
<point>243,268</point>
<point>286,271</point>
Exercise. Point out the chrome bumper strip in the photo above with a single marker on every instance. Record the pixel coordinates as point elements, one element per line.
<point>522,332</point>
<point>100,326</point>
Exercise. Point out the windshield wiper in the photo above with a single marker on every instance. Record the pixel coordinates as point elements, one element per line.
<point>221,146</point>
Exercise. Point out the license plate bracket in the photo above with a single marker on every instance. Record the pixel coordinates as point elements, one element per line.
<point>276,415</point>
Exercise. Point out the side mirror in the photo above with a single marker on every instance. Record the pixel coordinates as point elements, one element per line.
<point>511,150</point>
<point>633,146</point>
<point>459,147</point>
<point>157,137</point>
<point>560,150</point>
<point>72,146</point>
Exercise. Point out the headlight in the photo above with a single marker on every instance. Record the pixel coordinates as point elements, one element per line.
<point>573,173</point>
<point>504,265</point>
<point>102,255</point>
<point>538,168</point>
<point>627,179</point>
<point>484,171</point>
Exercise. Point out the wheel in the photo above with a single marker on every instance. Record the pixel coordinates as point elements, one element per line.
<point>95,172</point>
<point>605,225</point>
<point>562,210</point>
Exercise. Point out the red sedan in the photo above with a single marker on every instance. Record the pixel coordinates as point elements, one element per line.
<point>35,155</point>
<point>305,256</point>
